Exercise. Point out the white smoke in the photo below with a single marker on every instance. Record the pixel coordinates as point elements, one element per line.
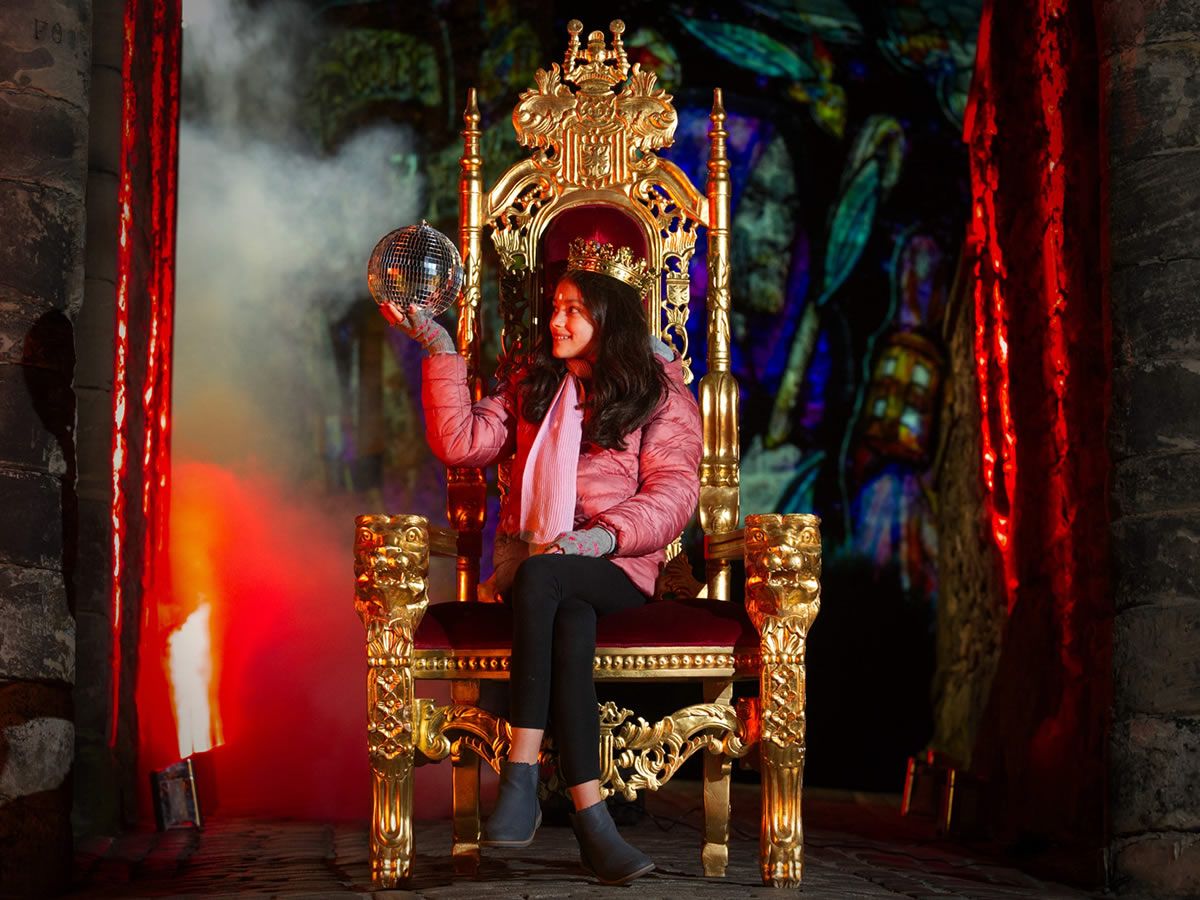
<point>273,240</point>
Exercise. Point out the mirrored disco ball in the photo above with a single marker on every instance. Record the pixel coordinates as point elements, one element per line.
<point>415,265</point>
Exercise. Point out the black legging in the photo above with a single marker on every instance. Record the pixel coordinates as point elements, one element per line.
<point>556,600</point>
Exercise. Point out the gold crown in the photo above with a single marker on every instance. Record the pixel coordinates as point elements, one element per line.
<point>584,255</point>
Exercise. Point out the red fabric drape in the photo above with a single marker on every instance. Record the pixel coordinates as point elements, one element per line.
<point>145,313</point>
<point>1042,363</point>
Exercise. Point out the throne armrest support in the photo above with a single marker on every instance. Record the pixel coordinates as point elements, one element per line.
<point>391,568</point>
<point>726,546</point>
<point>783,595</point>
<point>443,541</point>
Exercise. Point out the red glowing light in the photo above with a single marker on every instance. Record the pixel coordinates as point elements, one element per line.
<point>151,212</point>
<point>279,655</point>
<point>1061,502</point>
<point>998,437</point>
<point>999,431</point>
<point>121,354</point>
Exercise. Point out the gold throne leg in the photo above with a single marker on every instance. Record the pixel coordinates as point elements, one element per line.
<point>717,767</point>
<point>465,787</point>
<point>782,763</point>
<point>391,561</point>
<point>783,595</point>
<point>391,822</point>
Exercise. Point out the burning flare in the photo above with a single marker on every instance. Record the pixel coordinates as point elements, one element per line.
<point>191,669</point>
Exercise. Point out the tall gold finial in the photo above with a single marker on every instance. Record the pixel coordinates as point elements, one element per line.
<point>574,28</point>
<point>718,239</point>
<point>617,27</point>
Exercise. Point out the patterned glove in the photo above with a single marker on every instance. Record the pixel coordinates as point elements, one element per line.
<point>661,348</point>
<point>589,542</point>
<point>421,327</point>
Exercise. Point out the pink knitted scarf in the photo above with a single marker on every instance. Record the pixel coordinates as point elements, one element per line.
<point>548,472</point>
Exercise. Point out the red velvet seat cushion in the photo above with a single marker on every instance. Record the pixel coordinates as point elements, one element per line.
<point>667,623</point>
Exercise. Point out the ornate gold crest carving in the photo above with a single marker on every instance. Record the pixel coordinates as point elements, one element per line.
<point>595,137</point>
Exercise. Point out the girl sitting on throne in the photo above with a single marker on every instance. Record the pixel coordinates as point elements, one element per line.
<point>606,447</point>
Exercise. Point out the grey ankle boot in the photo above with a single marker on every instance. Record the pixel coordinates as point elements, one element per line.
<point>517,814</point>
<point>602,851</point>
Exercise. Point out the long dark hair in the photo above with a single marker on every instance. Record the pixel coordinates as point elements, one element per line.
<point>627,381</point>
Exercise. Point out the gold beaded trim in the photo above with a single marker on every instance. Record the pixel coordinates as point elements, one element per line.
<point>630,661</point>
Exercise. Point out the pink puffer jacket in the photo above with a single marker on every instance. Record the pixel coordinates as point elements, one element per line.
<point>643,494</point>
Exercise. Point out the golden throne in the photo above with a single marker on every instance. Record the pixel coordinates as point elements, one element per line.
<point>594,125</point>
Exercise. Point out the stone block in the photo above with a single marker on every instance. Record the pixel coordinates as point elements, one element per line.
<point>1156,312</point>
<point>93,682</point>
<point>31,529</point>
<point>94,649</point>
<point>1124,24</point>
<point>42,250</point>
<point>37,407</point>
<point>95,336</point>
<point>45,47</point>
<point>97,799</point>
<point>1155,408</point>
<point>37,757</point>
<point>1152,211</point>
<point>38,639</point>
<point>1156,484</point>
<point>1155,775</point>
<point>19,313</point>
<point>103,232</point>
<point>108,34</point>
<point>1153,99</point>
<point>1154,558</point>
<point>104,126</point>
<point>48,342</point>
<point>1157,865</point>
<point>93,444</point>
<point>36,741</point>
<point>45,142</point>
<point>95,553</point>
<point>1156,660</point>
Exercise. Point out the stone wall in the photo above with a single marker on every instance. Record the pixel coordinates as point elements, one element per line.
<point>971,612</point>
<point>1150,84</point>
<point>44,84</point>
<point>105,795</point>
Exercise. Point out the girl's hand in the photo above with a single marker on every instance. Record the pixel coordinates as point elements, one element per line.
<point>420,326</point>
<point>486,591</point>
<point>589,542</point>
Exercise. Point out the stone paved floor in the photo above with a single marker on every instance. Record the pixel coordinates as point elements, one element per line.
<point>855,848</point>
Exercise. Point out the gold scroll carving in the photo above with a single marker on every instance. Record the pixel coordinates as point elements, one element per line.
<point>634,754</point>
